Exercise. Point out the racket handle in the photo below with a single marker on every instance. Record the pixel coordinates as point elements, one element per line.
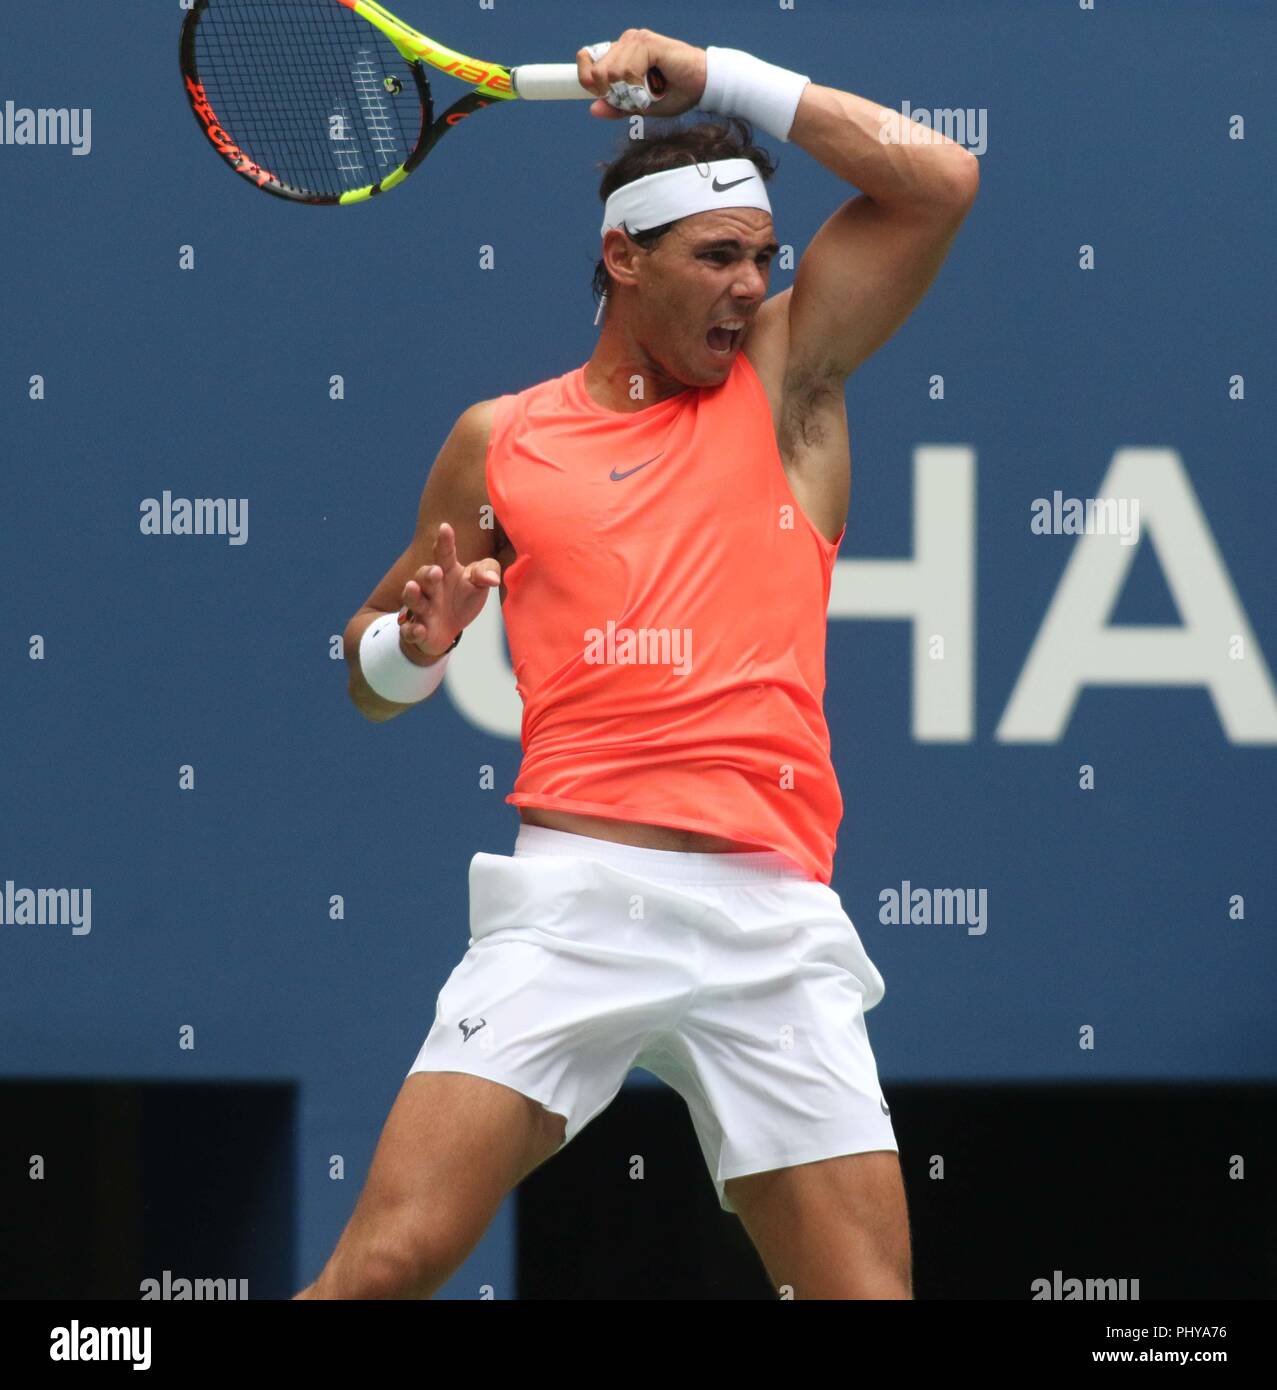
<point>548,82</point>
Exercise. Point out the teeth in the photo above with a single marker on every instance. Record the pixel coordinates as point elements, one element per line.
<point>730,324</point>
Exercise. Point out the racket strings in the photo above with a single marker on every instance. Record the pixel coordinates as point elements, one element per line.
<point>309,91</point>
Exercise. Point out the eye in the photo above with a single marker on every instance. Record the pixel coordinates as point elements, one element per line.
<point>718,257</point>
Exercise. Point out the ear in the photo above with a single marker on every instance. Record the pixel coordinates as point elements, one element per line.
<point>621,256</point>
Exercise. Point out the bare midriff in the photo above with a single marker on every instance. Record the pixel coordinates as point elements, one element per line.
<point>626,832</point>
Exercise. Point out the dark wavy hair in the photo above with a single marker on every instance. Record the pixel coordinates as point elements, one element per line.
<point>728,138</point>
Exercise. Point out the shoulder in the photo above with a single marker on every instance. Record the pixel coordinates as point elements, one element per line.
<point>461,462</point>
<point>479,423</point>
<point>484,419</point>
<point>475,424</point>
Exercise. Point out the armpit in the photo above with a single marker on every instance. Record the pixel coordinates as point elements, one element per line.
<point>813,403</point>
<point>503,547</point>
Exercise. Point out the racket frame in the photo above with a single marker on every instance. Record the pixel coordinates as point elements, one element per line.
<point>489,83</point>
<point>490,78</point>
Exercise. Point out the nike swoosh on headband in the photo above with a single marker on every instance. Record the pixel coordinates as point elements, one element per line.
<point>616,477</point>
<point>723,187</point>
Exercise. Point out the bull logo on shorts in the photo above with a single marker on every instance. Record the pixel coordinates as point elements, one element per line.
<point>468,1029</point>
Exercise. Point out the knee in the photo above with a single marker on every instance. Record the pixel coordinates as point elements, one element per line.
<point>891,1279</point>
<point>396,1269</point>
<point>886,1270</point>
<point>406,1259</point>
<point>860,1279</point>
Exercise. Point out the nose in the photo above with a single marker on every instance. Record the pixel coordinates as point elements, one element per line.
<point>751,283</point>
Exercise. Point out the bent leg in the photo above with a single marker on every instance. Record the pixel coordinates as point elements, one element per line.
<point>452,1148</point>
<point>838,1228</point>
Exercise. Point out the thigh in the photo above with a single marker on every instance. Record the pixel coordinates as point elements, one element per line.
<point>837,1228</point>
<point>453,1131</point>
<point>452,1148</point>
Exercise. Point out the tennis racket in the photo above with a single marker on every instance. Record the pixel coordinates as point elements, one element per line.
<point>328,101</point>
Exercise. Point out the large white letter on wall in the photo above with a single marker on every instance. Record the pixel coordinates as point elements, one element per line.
<point>935,590</point>
<point>1076,647</point>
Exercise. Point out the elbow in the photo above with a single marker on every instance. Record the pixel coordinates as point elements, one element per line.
<point>364,699</point>
<point>952,180</point>
<point>962,180</point>
<point>370,713</point>
<point>361,704</point>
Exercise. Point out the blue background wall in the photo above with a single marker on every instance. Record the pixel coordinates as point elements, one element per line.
<point>1107,907</point>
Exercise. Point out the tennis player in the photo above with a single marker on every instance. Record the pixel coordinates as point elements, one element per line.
<point>667,518</point>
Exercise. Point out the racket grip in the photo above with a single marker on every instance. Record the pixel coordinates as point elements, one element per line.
<point>548,82</point>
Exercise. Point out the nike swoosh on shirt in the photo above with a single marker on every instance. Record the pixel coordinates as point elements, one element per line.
<point>723,187</point>
<point>616,477</point>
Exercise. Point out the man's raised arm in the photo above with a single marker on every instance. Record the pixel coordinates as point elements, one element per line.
<point>868,266</point>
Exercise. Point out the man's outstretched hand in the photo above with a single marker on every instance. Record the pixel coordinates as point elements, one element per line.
<point>442,598</point>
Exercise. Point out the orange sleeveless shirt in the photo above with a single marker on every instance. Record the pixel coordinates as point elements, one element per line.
<point>666,615</point>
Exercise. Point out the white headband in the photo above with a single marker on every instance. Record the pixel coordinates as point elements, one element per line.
<point>657,199</point>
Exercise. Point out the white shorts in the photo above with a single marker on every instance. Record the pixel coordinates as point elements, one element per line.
<point>731,977</point>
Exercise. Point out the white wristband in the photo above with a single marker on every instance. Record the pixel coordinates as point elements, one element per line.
<point>388,671</point>
<point>738,84</point>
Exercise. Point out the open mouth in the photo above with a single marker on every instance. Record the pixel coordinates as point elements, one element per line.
<point>723,337</point>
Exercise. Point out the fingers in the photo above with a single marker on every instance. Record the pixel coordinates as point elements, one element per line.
<point>483,574</point>
<point>586,73</point>
<point>421,600</point>
<point>617,73</point>
<point>419,593</point>
<point>414,633</point>
<point>417,603</point>
<point>433,601</point>
<point>423,588</point>
<point>410,629</point>
<point>445,546</point>
<point>429,578</point>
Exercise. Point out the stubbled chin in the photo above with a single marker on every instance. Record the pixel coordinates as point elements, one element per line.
<point>716,368</point>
